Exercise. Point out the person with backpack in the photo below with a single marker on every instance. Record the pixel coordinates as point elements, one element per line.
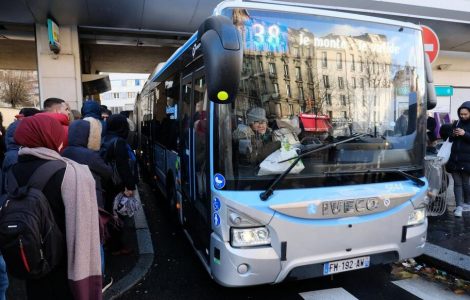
<point>116,151</point>
<point>41,236</point>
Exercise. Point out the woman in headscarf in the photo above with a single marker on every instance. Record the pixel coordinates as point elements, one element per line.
<point>70,193</point>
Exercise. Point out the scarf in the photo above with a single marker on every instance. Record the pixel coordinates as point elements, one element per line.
<point>81,226</point>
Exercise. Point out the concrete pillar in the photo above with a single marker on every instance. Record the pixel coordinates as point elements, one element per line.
<point>59,74</point>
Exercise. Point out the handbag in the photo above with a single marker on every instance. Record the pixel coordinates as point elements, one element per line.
<point>444,153</point>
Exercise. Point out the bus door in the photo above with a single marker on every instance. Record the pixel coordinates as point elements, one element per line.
<point>195,159</point>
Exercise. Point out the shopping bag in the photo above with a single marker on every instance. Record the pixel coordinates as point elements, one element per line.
<point>270,165</point>
<point>444,153</point>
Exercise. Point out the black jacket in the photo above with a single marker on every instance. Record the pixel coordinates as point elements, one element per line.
<point>460,155</point>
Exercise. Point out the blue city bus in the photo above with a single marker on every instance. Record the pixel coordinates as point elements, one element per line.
<point>262,194</point>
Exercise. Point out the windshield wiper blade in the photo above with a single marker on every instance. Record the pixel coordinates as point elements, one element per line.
<point>269,191</point>
<point>415,180</point>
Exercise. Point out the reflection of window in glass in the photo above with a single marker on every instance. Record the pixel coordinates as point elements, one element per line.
<point>354,82</point>
<point>298,74</point>
<point>272,68</point>
<point>353,66</point>
<point>362,82</point>
<point>288,90</point>
<point>330,114</point>
<point>301,93</point>
<point>339,60</point>
<point>326,81</point>
<point>296,52</point>
<point>340,83</point>
<point>286,70</point>
<point>324,59</point>
<point>328,99</point>
<point>343,100</point>
<point>276,88</point>
<point>310,75</point>
<point>260,66</point>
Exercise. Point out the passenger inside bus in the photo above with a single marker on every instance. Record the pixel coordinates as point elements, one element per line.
<point>255,140</point>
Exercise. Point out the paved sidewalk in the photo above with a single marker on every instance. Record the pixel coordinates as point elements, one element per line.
<point>449,239</point>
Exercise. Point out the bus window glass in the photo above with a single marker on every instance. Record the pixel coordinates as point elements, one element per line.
<point>329,106</point>
<point>186,136</point>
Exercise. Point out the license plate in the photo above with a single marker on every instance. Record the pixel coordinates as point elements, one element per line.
<point>344,265</point>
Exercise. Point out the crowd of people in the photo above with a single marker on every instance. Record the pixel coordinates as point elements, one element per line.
<point>82,163</point>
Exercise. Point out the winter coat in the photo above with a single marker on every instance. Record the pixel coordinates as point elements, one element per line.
<point>11,156</point>
<point>92,109</point>
<point>460,154</point>
<point>84,145</point>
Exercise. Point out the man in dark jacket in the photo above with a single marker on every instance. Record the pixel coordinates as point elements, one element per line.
<point>92,109</point>
<point>459,160</point>
<point>84,146</point>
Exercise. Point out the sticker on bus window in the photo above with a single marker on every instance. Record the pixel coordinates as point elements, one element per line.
<point>219,181</point>
<point>216,220</point>
<point>216,204</point>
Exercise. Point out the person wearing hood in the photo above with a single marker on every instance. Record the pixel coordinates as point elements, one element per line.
<point>459,160</point>
<point>84,146</point>
<point>92,109</point>
<point>116,151</point>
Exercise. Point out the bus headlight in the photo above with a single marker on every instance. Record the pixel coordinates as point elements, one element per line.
<point>417,216</point>
<point>248,237</point>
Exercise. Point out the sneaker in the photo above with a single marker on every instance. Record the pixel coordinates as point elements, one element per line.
<point>458,211</point>
<point>107,282</point>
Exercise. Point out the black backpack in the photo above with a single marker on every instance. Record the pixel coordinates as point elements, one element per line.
<point>30,240</point>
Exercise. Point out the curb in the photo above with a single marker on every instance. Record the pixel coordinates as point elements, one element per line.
<point>449,260</point>
<point>144,263</point>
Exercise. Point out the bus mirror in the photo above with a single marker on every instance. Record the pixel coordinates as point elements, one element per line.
<point>222,52</point>
<point>431,98</point>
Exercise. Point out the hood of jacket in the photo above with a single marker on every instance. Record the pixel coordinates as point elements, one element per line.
<point>85,133</point>
<point>117,125</point>
<point>63,119</point>
<point>91,109</point>
<point>10,141</point>
<point>466,105</point>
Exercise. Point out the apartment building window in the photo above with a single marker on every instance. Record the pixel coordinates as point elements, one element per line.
<point>288,90</point>
<point>343,100</point>
<point>324,59</point>
<point>362,65</point>
<point>364,102</point>
<point>354,82</point>
<point>345,114</point>
<point>131,95</point>
<point>309,51</point>
<point>272,68</point>
<point>340,83</point>
<point>330,114</point>
<point>260,66</point>
<point>301,93</point>
<point>353,65</point>
<point>328,99</point>
<point>276,88</point>
<point>339,61</point>
<point>296,52</point>
<point>326,81</point>
<point>123,95</point>
<point>137,82</point>
<point>298,74</point>
<point>115,95</point>
<point>310,75</point>
<point>362,82</point>
<point>286,71</point>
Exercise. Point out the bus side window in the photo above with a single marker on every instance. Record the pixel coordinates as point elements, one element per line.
<point>200,126</point>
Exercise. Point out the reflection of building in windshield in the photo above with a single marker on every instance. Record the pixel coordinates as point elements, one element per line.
<point>348,78</point>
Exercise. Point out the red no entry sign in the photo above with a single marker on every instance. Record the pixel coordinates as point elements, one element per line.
<point>431,43</point>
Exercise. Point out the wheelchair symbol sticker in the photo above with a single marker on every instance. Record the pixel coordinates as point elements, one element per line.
<point>219,181</point>
<point>216,204</point>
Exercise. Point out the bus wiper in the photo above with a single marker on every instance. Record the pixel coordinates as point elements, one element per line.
<point>269,191</point>
<point>415,180</point>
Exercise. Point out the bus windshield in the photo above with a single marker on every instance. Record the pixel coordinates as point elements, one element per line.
<point>309,81</point>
